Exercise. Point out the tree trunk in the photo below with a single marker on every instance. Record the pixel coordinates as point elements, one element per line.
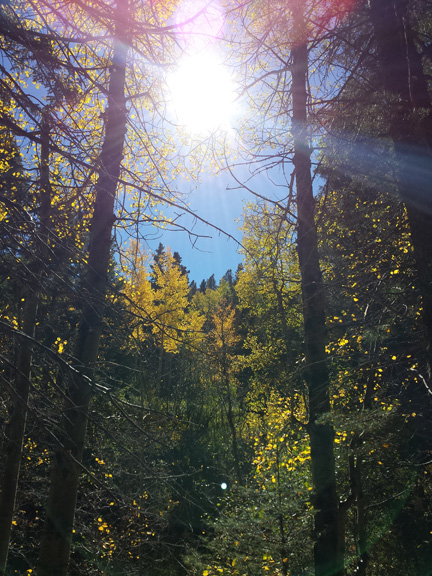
<point>56,540</point>
<point>18,419</point>
<point>411,131</point>
<point>230,418</point>
<point>328,549</point>
<point>355,472</point>
<point>230,412</point>
<point>16,428</point>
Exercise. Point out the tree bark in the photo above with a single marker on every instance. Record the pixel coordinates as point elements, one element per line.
<point>56,541</point>
<point>16,428</point>
<point>18,419</point>
<point>328,549</point>
<point>411,131</point>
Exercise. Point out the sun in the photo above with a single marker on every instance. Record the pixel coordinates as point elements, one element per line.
<point>202,93</point>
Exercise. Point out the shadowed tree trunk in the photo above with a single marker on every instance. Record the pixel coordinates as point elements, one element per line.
<point>410,129</point>
<point>328,549</point>
<point>56,540</point>
<point>230,415</point>
<point>21,387</point>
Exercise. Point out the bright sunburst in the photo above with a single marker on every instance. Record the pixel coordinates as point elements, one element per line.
<point>202,93</point>
<point>201,88</point>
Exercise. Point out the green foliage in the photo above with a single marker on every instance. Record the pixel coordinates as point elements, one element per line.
<point>268,292</point>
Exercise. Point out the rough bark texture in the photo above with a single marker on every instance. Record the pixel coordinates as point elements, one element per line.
<point>410,128</point>
<point>411,131</point>
<point>21,388</point>
<point>16,429</point>
<point>56,540</point>
<point>328,549</point>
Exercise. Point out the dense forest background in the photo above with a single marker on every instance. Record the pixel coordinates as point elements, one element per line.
<point>277,420</point>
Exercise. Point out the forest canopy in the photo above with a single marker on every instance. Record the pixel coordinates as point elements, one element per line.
<point>274,421</point>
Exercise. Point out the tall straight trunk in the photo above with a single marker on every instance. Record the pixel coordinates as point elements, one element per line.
<point>360,528</point>
<point>18,418</point>
<point>17,427</point>
<point>411,131</point>
<point>410,128</point>
<point>328,549</point>
<point>230,416</point>
<point>56,540</point>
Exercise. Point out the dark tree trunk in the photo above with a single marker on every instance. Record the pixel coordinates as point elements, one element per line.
<point>411,131</point>
<point>17,426</point>
<point>56,540</point>
<point>328,549</point>
<point>230,411</point>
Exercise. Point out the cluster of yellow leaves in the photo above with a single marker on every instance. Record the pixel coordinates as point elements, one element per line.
<point>136,528</point>
<point>223,334</point>
<point>59,345</point>
<point>279,447</point>
<point>268,566</point>
<point>163,309</point>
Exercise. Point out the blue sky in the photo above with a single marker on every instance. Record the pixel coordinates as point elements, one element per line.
<point>219,201</point>
<point>214,202</point>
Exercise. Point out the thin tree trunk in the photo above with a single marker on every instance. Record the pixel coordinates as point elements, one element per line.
<point>361,529</point>
<point>230,418</point>
<point>230,412</point>
<point>328,549</point>
<point>282,532</point>
<point>18,420</point>
<point>56,540</point>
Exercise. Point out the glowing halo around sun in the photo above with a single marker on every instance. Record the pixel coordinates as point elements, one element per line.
<point>201,88</point>
<point>203,93</point>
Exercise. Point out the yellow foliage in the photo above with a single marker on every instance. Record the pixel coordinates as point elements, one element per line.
<point>162,309</point>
